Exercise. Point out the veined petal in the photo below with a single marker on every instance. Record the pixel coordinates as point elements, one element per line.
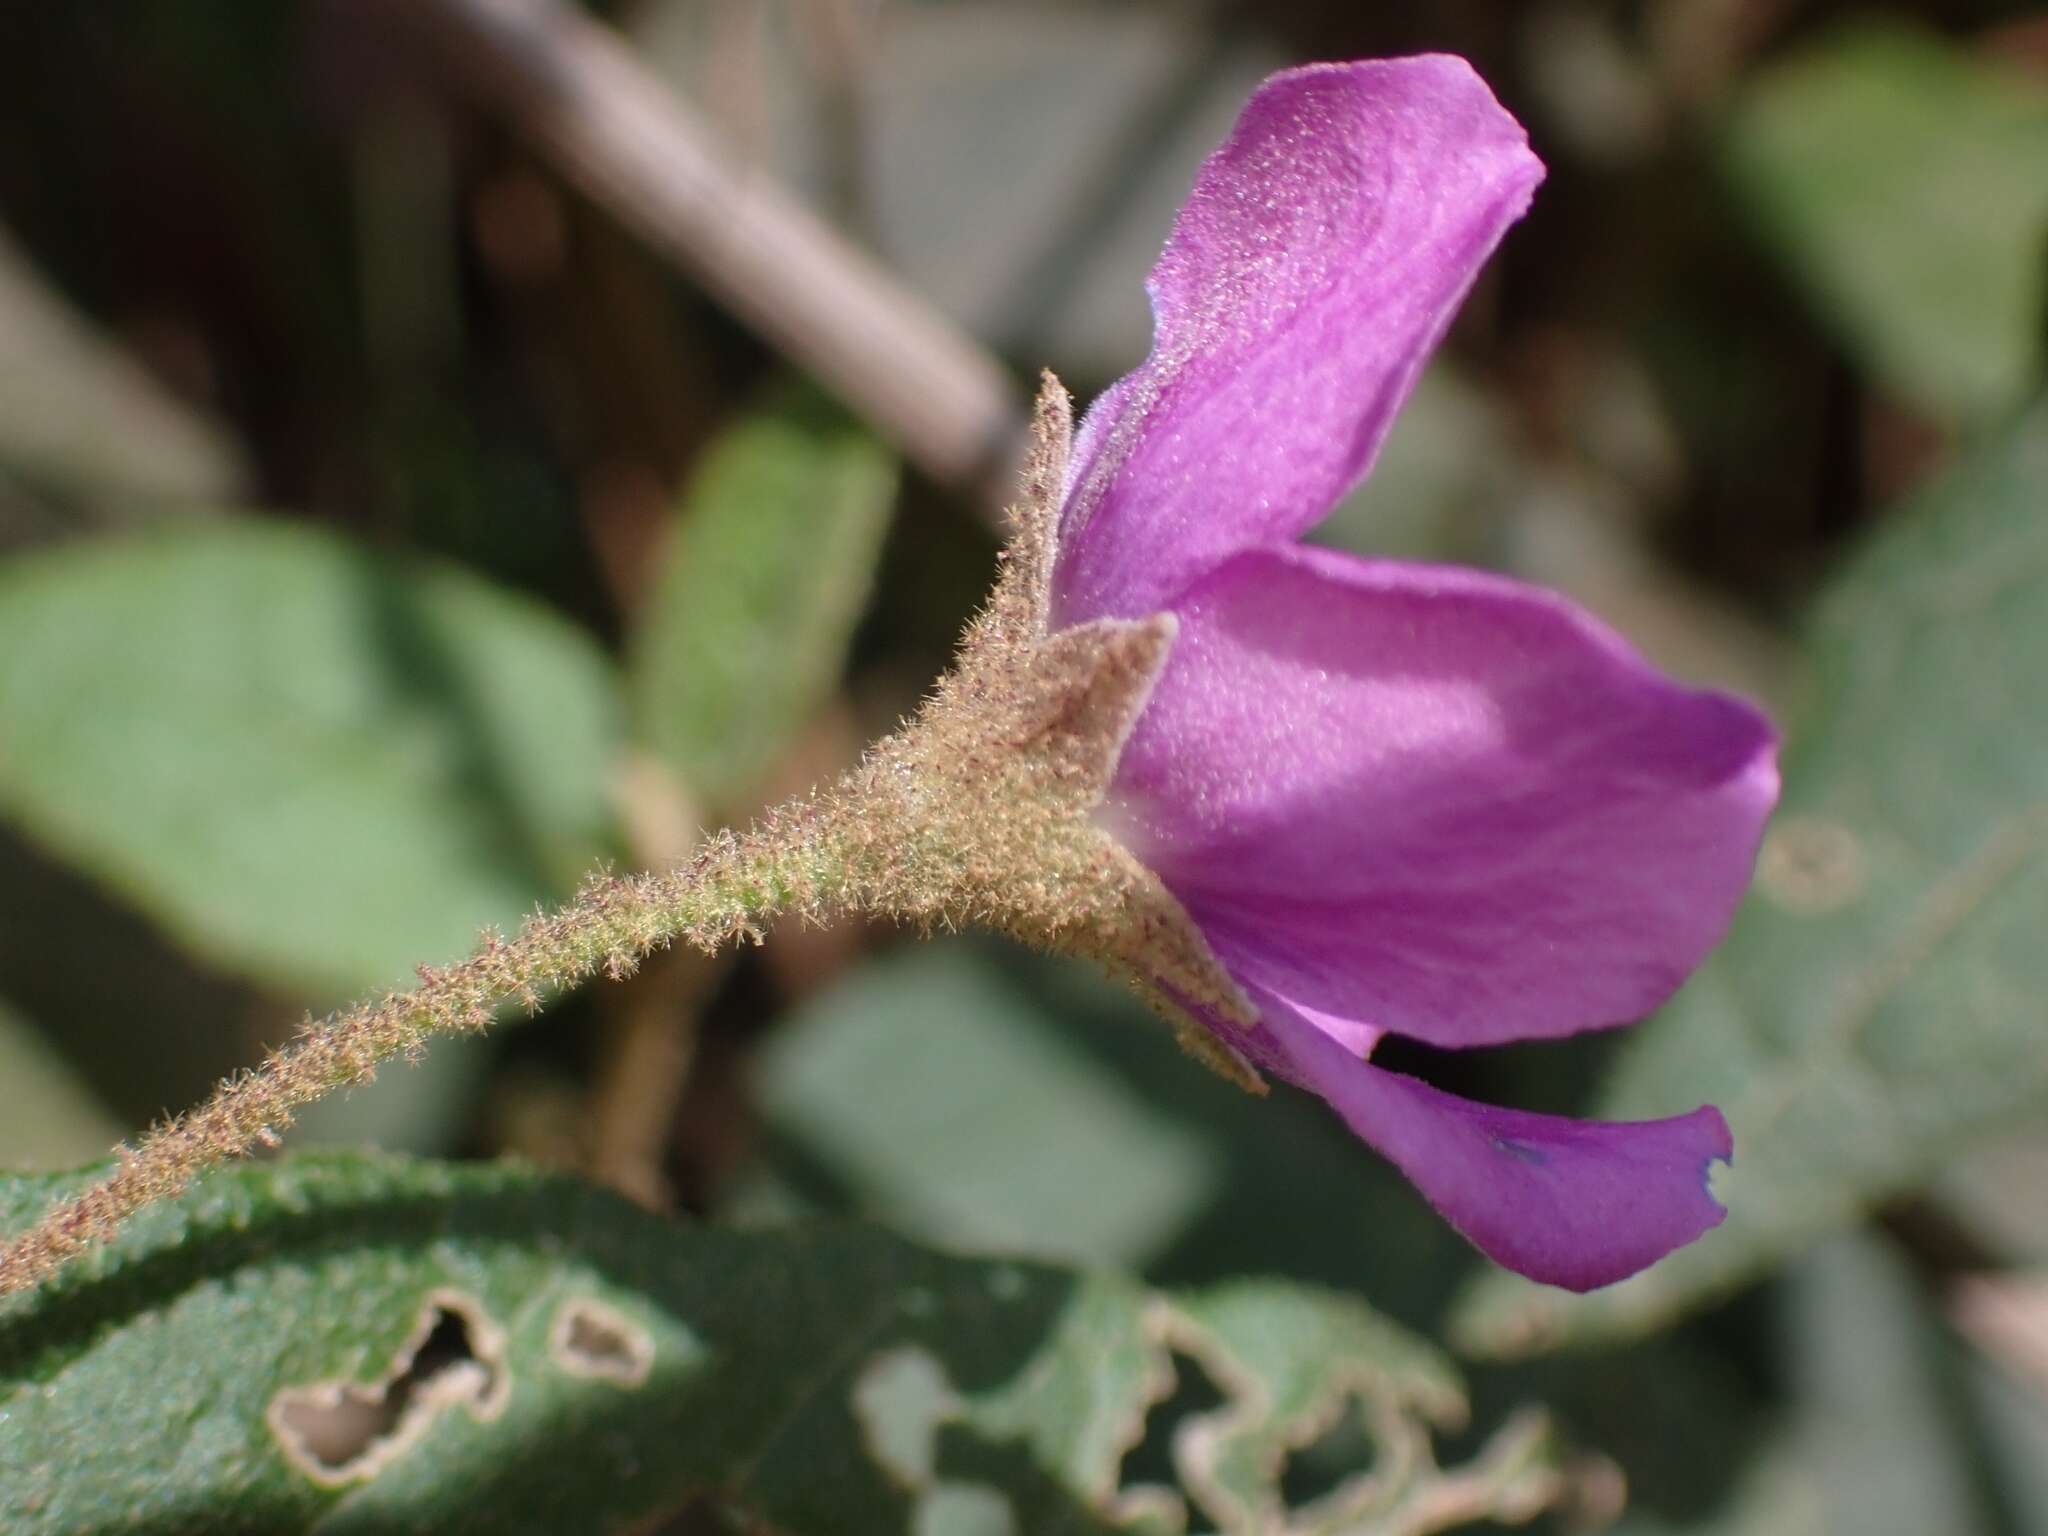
<point>1322,253</point>
<point>1436,802</point>
<point>1576,1203</point>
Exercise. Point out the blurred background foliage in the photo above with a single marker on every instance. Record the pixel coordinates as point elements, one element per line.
<point>391,529</point>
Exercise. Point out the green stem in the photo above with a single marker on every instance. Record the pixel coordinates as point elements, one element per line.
<point>794,861</point>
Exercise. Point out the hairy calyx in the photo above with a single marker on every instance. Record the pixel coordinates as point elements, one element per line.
<point>984,809</point>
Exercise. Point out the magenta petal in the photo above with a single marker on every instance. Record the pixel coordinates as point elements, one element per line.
<point>1576,1203</point>
<point>1436,802</point>
<point>1317,262</point>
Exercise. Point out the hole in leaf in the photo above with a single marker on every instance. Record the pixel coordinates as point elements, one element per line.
<point>1150,1462</point>
<point>963,1509</point>
<point>1344,1451</point>
<point>344,1431</point>
<point>591,1339</point>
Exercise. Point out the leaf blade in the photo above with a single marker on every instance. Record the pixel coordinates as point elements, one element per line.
<point>312,764</point>
<point>1900,181</point>
<point>770,563</point>
<point>819,1378</point>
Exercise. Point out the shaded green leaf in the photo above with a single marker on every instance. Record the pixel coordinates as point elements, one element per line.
<point>770,562</point>
<point>1299,1346</point>
<point>2004,1318</point>
<point>523,1353</point>
<point>1877,1004</point>
<point>49,1118</point>
<point>1905,185</point>
<point>1994,1190</point>
<point>1864,1444</point>
<point>976,1095</point>
<point>932,1086</point>
<point>305,760</point>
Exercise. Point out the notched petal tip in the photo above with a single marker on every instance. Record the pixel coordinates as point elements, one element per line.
<point>1718,1143</point>
<point>1577,1204</point>
<point>1573,1203</point>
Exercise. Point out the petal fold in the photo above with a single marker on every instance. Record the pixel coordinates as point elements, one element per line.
<point>1320,257</point>
<point>1575,1203</point>
<point>1437,802</point>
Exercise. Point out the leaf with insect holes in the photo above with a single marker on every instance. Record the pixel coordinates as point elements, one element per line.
<point>370,1343</point>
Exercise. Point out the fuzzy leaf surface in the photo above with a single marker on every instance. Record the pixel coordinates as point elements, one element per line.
<point>817,1379</point>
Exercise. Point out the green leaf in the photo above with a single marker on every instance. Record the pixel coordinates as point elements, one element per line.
<point>1994,1189</point>
<point>1877,1005</point>
<point>1866,1442</point>
<point>770,562</point>
<point>1905,185</point>
<point>975,1095</point>
<point>927,1083</point>
<point>306,761</point>
<point>356,1343</point>
<point>2004,1381</point>
<point>48,1117</point>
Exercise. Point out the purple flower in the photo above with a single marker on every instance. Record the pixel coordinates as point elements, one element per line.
<point>1396,798</point>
